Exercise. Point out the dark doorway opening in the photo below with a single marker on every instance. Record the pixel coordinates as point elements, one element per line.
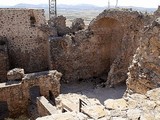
<point>52,98</point>
<point>4,112</point>
<point>32,109</point>
<point>32,21</point>
<point>34,93</point>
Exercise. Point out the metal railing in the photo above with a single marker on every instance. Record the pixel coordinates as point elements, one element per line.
<point>81,104</point>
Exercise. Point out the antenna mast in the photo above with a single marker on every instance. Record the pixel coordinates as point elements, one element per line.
<point>52,8</point>
<point>108,3</point>
<point>116,3</point>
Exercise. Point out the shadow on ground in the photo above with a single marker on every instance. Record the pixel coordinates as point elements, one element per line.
<point>90,89</point>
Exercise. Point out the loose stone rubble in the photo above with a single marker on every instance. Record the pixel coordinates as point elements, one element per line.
<point>131,107</point>
<point>135,107</point>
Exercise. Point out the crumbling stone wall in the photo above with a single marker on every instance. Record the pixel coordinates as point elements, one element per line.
<point>80,56</point>
<point>27,44</point>
<point>124,39</point>
<point>59,24</point>
<point>17,94</point>
<point>4,63</point>
<point>144,73</point>
<point>106,46</point>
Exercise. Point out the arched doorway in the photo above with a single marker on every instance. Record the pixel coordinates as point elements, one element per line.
<point>109,34</point>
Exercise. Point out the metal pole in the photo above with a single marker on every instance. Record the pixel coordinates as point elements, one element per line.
<point>108,3</point>
<point>49,9</point>
<point>116,3</point>
<point>52,8</point>
<point>56,8</point>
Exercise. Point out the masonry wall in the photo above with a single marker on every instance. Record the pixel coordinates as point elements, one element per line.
<point>44,107</point>
<point>79,57</point>
<point>17,94</point>
<point>106,47</point>
<point>144,72</point>
<point>27,44</point>
<point>124,39</point>
<point>4,62</point>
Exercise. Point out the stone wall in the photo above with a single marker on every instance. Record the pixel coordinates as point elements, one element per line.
<point>45,107</point>
<point>27,44</point>
<point>78,57</point>
<point>4,63</point>
<point>106,46</point>
<point>124,39</point>
<point>18,94</point>
<point>144,72</point>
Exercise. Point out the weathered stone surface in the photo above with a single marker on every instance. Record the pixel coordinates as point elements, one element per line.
<point>27,44</point>
<point>59,23</point>
<point>144,73</point>
<point>154,94</point>
<point>65,116</point>
<point>77,24</point>
<point>93,108</point>
<point>92,52</point>
<point>118,118</point>
<point>134,114</point>
<point>15,74</point>
<point>142,108</point>
<point>139,107</point>
<point>44,107</point>
<point>4,60</point>
<point>157,12</point>
<point>95,111</point>
<point>116,104</point>
<point>17,94</point>
<point>124,33</point>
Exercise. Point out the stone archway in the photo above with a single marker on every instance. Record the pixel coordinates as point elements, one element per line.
<point>109,33</point>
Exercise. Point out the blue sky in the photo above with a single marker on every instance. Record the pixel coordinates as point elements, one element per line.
<point>139,3</point>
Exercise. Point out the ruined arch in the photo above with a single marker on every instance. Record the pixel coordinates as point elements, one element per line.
<point>109,33</point>
<point>124,30</point>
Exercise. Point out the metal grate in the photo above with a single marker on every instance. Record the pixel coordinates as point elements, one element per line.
<point>52,8</point>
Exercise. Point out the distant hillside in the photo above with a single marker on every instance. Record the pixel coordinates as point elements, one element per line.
<point>21,5</point>
<point>59,6</point>
<point>76,7</point>
<point>86,11</point>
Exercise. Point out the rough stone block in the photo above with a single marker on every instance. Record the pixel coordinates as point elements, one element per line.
<point>120,104</point>
<point>15,74</point>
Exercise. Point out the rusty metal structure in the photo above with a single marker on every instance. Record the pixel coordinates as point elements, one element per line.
<point>52,8</point>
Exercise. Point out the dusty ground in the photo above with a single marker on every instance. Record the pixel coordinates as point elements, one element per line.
<point>90,89</point>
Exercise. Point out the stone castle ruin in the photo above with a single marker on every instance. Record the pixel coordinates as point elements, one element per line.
<point>119,45</point>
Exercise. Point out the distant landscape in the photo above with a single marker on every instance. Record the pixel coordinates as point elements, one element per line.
<point>86,11</point>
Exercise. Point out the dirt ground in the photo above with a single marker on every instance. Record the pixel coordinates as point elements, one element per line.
<point>91,89</point>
